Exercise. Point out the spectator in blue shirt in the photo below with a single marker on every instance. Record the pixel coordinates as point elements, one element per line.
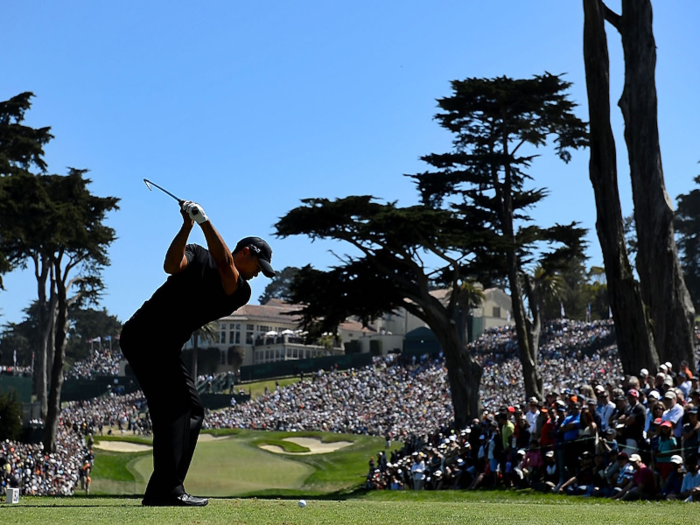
<point>569,429</point>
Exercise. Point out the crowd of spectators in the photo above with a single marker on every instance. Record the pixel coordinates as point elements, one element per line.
<point>16,370</point>
<point>411,403</point>
<point>36,472</point>
<point>635,440</point>
<point>390,398</point>
<point>380,399</point>
<point>107,415</point>
<point>100,362</point>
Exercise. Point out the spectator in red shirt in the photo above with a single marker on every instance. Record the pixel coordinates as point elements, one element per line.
<point>643,482</point>
<point>547,434</point>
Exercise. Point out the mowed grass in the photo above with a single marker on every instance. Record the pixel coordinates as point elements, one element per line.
<point>234,465</point>
<point>376,508</point>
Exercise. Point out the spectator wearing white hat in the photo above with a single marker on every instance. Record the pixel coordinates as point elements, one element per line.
<point>672,488</point>
<point>418,471</point>
<point>674,413</point>
<point>532,416</point>
<point>690,489</point>
<point>669,368</point>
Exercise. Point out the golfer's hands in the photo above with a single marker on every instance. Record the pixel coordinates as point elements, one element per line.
<point>194,211</point>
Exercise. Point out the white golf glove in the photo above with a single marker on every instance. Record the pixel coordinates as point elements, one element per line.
<point>195,212</point>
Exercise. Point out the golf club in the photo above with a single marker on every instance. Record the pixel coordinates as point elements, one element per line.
<point>150,183</point>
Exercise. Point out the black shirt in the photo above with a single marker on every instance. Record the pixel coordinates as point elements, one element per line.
<point>636,430</point>
<point>190,299</point>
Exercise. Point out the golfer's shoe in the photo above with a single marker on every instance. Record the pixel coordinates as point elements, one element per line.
<point>183,500</point>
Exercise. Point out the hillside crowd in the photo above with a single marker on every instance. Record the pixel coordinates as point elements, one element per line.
<point>101,362</point>
<point>391,398</point>
<point>36,472</point>
<point>636,440</point>
<point>411,403</point>
<point>28,467</point>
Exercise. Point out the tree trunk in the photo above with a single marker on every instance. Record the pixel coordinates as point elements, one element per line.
<point>463,372</point>
<point>54,403</point>
<point>45,315</point>
<point>659,270</point>
<point>634,340</point>
<point>526,345</point>
<point>534,328</point>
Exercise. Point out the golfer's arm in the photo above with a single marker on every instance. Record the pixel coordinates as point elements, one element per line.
<point>222,256</point>
<point>175,260</point>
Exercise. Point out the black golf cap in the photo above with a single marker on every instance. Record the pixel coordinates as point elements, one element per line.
<point>260,248</point>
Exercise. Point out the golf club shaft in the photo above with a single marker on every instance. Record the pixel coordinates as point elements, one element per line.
<point>149,184</point>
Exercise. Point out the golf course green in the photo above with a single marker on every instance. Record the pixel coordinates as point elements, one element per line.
<point>242,463</point>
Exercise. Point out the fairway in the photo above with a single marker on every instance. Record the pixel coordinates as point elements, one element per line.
<point>235,464</point>
<point>231,466</point>
<point>406,508</point>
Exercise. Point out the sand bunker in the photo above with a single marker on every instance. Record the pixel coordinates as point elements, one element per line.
<point>207,438</point>
<point>315,446</point>
<point>126,446</point>
<point>121,446</point>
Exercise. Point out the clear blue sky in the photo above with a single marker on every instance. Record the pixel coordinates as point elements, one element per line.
<point>249,107</point>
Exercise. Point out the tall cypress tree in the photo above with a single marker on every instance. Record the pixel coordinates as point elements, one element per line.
<point>496,123</point>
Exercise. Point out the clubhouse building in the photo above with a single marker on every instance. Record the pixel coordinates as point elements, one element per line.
<point>268,333</point>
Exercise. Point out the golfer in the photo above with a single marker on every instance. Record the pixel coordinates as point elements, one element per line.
<point>204,285</point>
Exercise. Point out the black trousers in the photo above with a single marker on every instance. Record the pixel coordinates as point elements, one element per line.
<point>174,405</point>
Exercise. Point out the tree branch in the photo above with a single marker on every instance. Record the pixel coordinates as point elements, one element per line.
<point>370,255</point>
<point>611,16</point>
<point>517,147</point>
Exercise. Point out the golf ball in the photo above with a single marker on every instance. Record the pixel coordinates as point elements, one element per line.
<point>302,503</point>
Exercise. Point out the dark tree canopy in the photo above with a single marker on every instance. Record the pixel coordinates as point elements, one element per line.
<point>56,224</point>
<point>404,253</point>
<point>687,223</point>
<point>21,147</point>
<point>278,287</point>
<point>485,179</point>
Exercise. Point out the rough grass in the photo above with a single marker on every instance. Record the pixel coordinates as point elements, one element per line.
<point>492,508</point>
